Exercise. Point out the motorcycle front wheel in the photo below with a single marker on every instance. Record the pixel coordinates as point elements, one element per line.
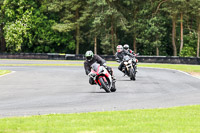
<point>104,85</point>
<point>132,74</point>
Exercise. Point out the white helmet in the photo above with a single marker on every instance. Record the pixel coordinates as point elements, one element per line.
<point>119,48</point>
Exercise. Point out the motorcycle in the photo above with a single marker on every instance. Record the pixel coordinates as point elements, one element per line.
<point>129,67</point>
<point>102,77</point>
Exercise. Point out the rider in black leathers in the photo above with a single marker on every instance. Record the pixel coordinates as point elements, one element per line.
<point>120,55</point>
<point>126,48</point>
<point>92,58</point>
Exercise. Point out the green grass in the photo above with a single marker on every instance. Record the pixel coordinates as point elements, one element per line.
<point>170,120</point>
<point>44,60</point>
<point>185,68</point>
<point>2,72</point>
<point>181,67</point>
<point>41,64</point>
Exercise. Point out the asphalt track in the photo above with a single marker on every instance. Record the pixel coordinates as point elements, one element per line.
<point>37,90</point>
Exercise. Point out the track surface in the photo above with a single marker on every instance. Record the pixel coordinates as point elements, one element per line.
<point>35,90</point>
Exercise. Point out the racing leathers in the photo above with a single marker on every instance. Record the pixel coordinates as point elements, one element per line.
<point>102,62</point>
<point>134,55</point>
<point>131,51</point>
<point>119,58</point>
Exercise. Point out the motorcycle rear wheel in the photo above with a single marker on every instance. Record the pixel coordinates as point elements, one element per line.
<point>103,85</point>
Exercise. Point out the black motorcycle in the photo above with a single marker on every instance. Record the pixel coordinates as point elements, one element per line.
<point>130,66</point>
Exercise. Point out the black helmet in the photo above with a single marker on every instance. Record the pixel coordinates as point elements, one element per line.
<point>89,55</point>
<point>126,46</point>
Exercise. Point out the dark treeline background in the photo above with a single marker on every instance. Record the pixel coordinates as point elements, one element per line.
<point>150,27</point>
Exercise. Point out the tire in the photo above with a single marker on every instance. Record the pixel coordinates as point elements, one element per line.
<point>103,85</point>
<point>132,74</point>
<point>113,88</point>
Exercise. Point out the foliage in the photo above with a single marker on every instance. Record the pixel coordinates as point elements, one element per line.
<point>17,32</point>
<point>29,29</point>
<point>48,40</point>
<point>190,45</point>
<point>153,34</point>
<point>188,52</point>
<point>72,26</point>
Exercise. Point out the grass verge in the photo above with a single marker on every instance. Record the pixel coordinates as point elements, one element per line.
<point>192,69</point>
<point>2,72</point>
<point>41,64</point>
<point>185,68</point>
<point>168,120</point>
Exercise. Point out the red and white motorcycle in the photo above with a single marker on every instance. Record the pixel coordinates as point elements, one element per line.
<point>102,77</point>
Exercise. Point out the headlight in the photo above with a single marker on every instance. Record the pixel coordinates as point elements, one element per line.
<point>125,63</point>
<point>130,61</point>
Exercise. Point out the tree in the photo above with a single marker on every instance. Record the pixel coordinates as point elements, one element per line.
<point>141,14</point>
<point>170,7</point>
<point>156,32</point>
<point>18,15</point>
<point>105,21</point>
<point>72,26</point>
<point>28,29</point>
<point>176,8</point>
<point>198,42</point>
<point>194,11</point>
<point>2,23</point>
<point>182,8</point>
<point>70,14</point>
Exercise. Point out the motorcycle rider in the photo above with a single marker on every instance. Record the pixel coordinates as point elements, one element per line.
<point>92,58</point>
<point>126,48</point>
<point>120,55</point>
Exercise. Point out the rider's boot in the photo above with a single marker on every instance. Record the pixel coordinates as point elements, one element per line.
<point>113,78</point>
<point>113,88</point>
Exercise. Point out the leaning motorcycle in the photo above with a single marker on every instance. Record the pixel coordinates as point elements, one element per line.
<point>129,67</point>
<point>102,77</point>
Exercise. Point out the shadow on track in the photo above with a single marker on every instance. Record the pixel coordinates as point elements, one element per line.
<point>99,92</point>
<point>124,80</point>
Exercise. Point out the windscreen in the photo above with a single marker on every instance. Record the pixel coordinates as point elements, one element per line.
<point>95,66</point>
<point>126,58</point>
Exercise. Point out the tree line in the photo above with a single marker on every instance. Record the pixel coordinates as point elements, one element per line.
<point>150,27</point>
